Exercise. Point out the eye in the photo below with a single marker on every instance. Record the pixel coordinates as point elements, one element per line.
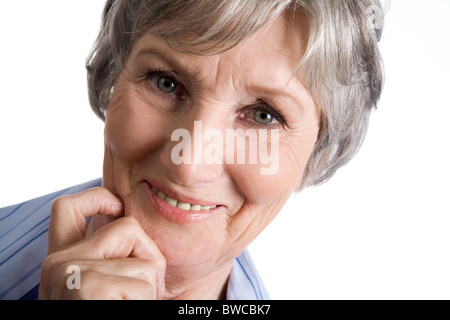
<point>166,85</point>
<point>263,117</point>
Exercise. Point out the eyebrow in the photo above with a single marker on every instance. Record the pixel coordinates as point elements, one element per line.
<point>167,58</point>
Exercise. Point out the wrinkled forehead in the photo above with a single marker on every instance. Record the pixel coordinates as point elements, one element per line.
<point>280,43</point>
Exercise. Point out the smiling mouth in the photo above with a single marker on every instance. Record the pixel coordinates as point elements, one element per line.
<point>181,205</point>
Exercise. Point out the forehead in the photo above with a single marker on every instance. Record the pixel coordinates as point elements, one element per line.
<point>281,41</point>
<point>285,39</point>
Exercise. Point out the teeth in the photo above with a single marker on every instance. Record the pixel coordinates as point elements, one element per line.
<point>161,195</point>
<point>184,206</point>
<point>171,201</point>
<point>181,205</point>
<point>207,207</point>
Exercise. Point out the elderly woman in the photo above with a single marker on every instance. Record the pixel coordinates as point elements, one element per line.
<point>215,113</point>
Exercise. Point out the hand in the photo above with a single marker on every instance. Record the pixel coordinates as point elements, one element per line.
<point>119,261</point>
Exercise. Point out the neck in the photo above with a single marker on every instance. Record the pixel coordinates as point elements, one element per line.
<point>182,284</point>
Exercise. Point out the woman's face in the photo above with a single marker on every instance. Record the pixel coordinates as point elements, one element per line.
<point>249,90</point>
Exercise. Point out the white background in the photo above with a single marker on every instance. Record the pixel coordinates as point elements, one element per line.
<point>380,229</point>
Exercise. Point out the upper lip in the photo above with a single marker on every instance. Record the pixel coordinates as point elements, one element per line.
<point>180,197</point>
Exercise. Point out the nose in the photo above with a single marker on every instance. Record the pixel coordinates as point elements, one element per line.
<point>194,154</point>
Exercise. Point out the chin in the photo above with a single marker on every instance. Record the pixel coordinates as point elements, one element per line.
<point>184,240</point>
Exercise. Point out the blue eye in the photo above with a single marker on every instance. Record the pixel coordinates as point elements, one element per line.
<point>166,85</point>
<point>263,117</point>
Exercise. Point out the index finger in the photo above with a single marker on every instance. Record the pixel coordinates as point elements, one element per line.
<point>69,213</point>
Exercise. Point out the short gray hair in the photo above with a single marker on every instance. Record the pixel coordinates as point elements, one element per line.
<point>341,68</point>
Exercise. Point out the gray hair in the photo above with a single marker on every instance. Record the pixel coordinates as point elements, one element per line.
<point>341,67</point>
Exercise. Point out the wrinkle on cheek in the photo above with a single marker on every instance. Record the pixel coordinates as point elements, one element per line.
<point>109,147</point>
<point>121,145</point>
<point>294,162</point>
<point>125,133</point>
<point>240,218</point>
<point>249,222</point>
<point>298,150</point>
<point>294,154</point>
<point>108,169</point>
<point>116,174</point>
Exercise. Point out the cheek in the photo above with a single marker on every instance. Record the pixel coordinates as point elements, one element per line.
<point>285,170</point>
<point>132,129</point>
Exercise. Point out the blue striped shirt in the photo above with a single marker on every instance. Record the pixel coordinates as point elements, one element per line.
<point>24,243</point>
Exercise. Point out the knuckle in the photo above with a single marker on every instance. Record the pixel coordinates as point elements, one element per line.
<point>60,205</point>
<point>54,266</point>
<point>130,222</point>
<point>50,264</point>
